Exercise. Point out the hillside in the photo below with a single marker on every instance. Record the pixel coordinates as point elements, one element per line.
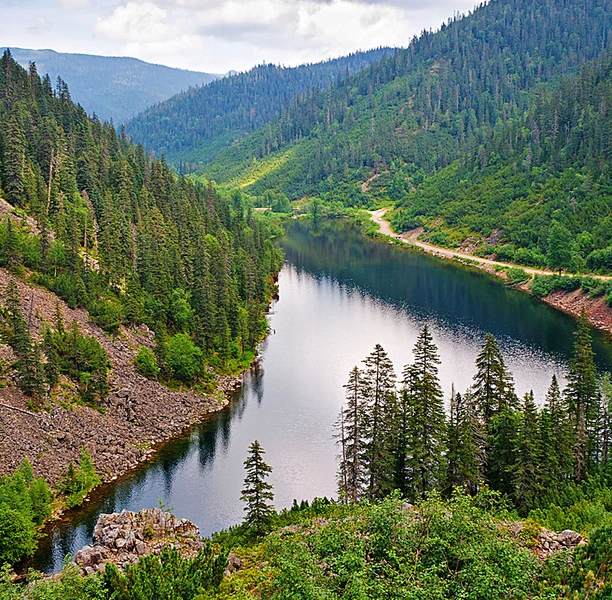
<point>460,548</point>
<point>117,277</point>
<point>419,110</point>
<point>197,124</point>
<point>112,87</point>
<point>537,190</point>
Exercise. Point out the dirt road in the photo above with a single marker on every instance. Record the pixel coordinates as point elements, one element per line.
<point>410,237</point>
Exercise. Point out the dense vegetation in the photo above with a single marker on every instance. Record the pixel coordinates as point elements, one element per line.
<point>198,123</point>
<point>463,547</point>
<point>539,458</point>
<point>423,107</point>
<point>118,233</point>
<point>25,502</point>
<point>537,190</point>
<point>112,87</point>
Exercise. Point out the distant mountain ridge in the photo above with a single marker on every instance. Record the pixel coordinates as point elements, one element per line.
<point>112,87</point>
<point>196,124</point>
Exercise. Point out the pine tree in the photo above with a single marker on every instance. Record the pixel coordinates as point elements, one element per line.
<point>582,398</point>
<point>378,384</point>
<point>493,387</point>
<point>464,443</point>
<point>605,420</point>
<point>502,442</point>
<point>351,437</point>
<point>257,493</point>
<point>427,418</point>
<point>528,481</point>
<point>556,439</point>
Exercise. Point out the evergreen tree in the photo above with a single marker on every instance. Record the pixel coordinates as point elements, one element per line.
<point>493,387</point>
<point>559,254</point>
<point>556,440</point>
<point>351,437</point>
<point>257,493</point>
<point>378,385</point>
<point>464,443</point>
<point>582,398</point>
<point>427,420</point>
<point>527,469</point>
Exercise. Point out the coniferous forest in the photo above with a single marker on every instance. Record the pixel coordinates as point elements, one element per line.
<point>493,132</point>
<point>107,228</point>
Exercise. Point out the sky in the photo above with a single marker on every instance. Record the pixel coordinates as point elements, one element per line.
<point>216,36</point>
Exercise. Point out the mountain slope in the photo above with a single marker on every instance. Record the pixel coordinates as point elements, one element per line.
<point>550,166</point>
<point>423,107</point>
<point>196,124</point>
<point>112,87</point>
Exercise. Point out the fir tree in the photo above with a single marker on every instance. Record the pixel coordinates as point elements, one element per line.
<point>528,481</point>
<point>257,493</point>
<point>351,437</point>
<point>464,443</point>
<point>582,398</point>
<point>378,385</point>
<point>427,419</point>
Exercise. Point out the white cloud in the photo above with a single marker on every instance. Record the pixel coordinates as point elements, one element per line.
<point>40,25</point>
<point>75,4</point>
<point>135,22</point>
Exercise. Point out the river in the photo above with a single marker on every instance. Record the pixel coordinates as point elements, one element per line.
<point>340,294</point>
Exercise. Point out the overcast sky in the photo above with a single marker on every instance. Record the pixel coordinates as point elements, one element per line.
<point>218,35</point>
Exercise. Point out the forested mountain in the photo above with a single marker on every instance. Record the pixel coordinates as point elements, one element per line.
<point>539,184</point>
<point>197,123</point>
<point>423,107</point>
<point>112,87</point>
<point>92,218</point>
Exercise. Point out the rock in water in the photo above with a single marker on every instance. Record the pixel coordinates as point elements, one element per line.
<point>122,538</point>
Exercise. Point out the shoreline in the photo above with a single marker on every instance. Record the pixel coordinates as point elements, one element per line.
<point>571,303</point>
<point>123,433</point>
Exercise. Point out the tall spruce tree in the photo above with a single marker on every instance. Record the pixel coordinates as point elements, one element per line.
<point>350,434</point>
<point>464,444</point>
<point>556,438</point>
<point>582,399</point>
<point>257,492</point>
<point>427,419</point>
<point>378,385</point>
<point>528,480</point>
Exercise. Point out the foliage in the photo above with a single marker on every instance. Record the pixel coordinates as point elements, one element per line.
<point>169,576</point>
<point>196,124</point>
<point>121,235</point>
<point>257,493</point>
<point>25,502</point>
<point>146,363</point>
<point>80,480</point>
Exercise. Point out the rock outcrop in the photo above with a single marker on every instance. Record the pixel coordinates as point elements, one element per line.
<point>123,538</point>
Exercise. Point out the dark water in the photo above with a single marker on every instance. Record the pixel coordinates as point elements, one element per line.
<point>340,294</point>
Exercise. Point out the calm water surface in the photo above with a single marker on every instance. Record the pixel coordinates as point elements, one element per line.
<point>340,294</point>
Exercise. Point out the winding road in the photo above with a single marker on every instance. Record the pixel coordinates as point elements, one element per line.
<point>410,237</point>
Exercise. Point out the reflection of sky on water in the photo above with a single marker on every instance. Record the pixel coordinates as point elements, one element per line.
<point>340,294</point>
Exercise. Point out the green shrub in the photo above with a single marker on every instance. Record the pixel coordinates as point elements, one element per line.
<point>516,276</point>
<point>542,285</point>
<point>146,363</point>
<point>184,358</point>
<point>79,481</point>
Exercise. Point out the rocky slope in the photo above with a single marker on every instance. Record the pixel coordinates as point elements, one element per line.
<point>138,413</point>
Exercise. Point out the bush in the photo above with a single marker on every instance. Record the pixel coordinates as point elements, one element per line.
<point>146,363</point>
<point>184,358</point>
<point>78,482</point>
<point>17,535</point>
<point>516,276</point>
<point>542,285</point>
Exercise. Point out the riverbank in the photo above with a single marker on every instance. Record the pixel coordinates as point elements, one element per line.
<point>137,415</point>
<point>570,302</point>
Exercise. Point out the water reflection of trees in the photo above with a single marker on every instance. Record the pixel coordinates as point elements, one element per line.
<point>429,288</point>
<point>217,434</point>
